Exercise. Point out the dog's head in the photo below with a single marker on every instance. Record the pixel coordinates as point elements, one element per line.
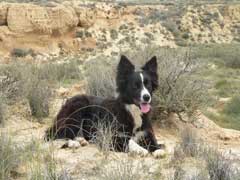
<point>136,87</point>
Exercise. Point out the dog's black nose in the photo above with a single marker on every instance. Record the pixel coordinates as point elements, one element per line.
<point>146,97</point>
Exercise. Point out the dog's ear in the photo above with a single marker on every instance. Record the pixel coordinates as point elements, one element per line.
<point>125,67</point>
<point>151,68</point>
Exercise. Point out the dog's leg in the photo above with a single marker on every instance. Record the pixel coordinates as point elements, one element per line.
<point>134,148</point>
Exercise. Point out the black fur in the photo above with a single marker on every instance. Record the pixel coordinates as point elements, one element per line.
<point>80,114</point>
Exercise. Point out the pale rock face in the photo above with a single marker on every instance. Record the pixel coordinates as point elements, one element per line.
<point>29,18</point>
<point>3,13</point>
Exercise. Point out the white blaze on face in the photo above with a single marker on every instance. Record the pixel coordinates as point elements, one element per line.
<point>144,90</point>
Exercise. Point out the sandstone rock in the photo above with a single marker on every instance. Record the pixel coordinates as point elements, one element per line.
<point>62,19</point>
<point>29,18</point>
<point>25,18</point>
<point>86,16</point>
<point>3,13</point>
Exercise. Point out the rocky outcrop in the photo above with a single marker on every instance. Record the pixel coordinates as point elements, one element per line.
<point>3,13</point>
<point>29,18</point>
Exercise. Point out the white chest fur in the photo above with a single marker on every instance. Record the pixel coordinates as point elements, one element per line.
<point>136,114</point>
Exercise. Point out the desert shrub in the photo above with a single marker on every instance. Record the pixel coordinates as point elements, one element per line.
<point>100,75</point>
<point>57,72</point>
<point>125,169</point>
<point>224,55</point>
<point>2,110</point>
<point>18,78</point>
<point>190,143</point>
<point>213,164</point>
<point>41,163</point>
<point>229,116</point>
<point>16,52</point>
<point>12,83</point>
<point>181,88</point>
<point>219,167</point>
<point>38,98</point>
<point>9,155</point>
<point>232,107</point>
<point>104,137</point>
<point>113,34</point>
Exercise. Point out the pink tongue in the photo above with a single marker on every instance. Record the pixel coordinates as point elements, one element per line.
<point>145,108</point>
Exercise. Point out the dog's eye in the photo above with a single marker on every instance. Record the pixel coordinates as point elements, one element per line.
<point>137,85</point>
<point>146,82</point>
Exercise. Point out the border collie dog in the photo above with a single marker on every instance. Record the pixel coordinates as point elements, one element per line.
<point>128,113</point>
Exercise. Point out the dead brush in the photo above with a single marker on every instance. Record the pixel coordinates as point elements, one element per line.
<point>124,169</point>
<point>181,89</point>
<point>100,78</point>
<point>2,110</point>
<point>38,98</point>
<point>9,154</point>
<point>41,162</point>
<point>219,167</point>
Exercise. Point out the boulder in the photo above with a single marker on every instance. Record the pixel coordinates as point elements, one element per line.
<point>62,19</point>
<point>3,13</point>
<point>26,18</point>
<point>29,18</point>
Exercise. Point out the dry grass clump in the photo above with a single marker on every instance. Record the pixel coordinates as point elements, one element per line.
<point>41,163</point>
<point>181,88</point>
<point>190,145</point>
<point>34,82</point>
<point>124,169</point>
<point>9,155</point>
<point>214,165</point>
<point>2,110</point>
<point>38,98</point>
<point>100,75</point>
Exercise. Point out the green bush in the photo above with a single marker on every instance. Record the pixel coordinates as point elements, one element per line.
<point>222,54</point>
<point>232,108</point>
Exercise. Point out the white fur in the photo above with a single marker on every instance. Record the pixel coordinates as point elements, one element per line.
<point>159,153</point>
<point>138,136</point>
<point>136,114</point>
<point>144,90</point>
<point>136,149</point>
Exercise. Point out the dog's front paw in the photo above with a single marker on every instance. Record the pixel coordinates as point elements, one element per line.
<point>159,153</point>
<point>135,149</point>
<point>82,141</point>
<point>71,144</point>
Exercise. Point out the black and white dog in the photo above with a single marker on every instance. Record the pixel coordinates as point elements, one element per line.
<point>128,113</point>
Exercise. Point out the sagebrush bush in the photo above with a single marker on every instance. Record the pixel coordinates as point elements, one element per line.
<point>219,167</point>
<point>38,98</point>
<point>19,77</point>
<point>41,163</point>
<point>9,155</point>
<point>100,75</point>
<point>181,88</point>
<point>125,169</point>
<point>2,110</point>
<point>222,54</point>
<point>214,165</point>
<point>232,108</point>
